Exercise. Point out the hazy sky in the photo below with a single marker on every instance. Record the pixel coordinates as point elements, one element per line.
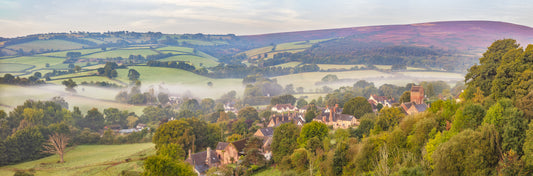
<point>22,17</point>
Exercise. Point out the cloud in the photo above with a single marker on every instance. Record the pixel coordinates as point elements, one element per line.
<point>22,17</point>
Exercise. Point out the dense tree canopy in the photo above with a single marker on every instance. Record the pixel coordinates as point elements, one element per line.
<point>357,107</point>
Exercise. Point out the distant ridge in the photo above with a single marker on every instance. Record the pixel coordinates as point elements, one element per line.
<point>460,35</point>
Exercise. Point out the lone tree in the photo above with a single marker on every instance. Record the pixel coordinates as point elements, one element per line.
<point>70,85</point>
<point>57,143</point>
<point>133,75</point>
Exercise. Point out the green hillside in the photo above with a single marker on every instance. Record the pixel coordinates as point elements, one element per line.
<point>47,45</point>
<point>89,160</point>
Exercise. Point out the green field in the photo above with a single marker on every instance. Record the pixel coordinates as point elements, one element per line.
<point>39,61</point>
<point>181,81</point>
<point>195,60</point>
<point>94,40</point>
<point>47,44</point>
<point>64,53</point>
<point>86,97</point>
<point>124,53</point>
<point>89,160</point>
<point>200,42</point>
<point>257,51</point>
<point>292,47</point>
<point>176,48</point>
<point>307,80</point>
<point>13,67</point>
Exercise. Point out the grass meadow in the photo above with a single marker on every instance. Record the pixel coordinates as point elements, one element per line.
<point>39,61</point>
<point>124,53</point>
<point>13,67</point>
<point>64,53</point>
<point>86,97</point>
<point>47,44</point>
<point>195,60</point>
<point>89,160</point>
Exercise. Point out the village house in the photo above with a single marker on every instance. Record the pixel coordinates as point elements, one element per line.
<point>303,110</point>
<point>203,161</point>
<point>374,100</point>
<point>278,119</point>
<point>229,152</point>
<point>281,108</point>
<point>334,117</point>
<point>230,107</point>
<point>416,105</point>
<point>266,134</point>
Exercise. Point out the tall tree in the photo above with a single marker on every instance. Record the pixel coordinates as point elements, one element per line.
<point>57,144</point>
<point>284,141</point>
<point>357,107</point>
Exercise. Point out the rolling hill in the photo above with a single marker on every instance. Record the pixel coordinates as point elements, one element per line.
<point>458,35</point>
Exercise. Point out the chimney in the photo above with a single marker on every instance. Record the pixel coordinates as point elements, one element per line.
<point>290,116</point>
<point>208,157</point>
<point>190,154</point>
<point>331,116</point>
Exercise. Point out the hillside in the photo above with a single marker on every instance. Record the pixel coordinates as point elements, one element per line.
<point>460,35</point>
<point>89,160</point>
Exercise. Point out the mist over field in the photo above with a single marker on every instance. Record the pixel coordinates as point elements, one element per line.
<point>255,88</point>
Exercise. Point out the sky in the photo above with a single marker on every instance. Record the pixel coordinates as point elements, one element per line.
<point>243,17</point>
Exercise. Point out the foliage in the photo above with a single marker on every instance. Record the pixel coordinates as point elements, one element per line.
<point>283,99</point>
<point>284,141</point>
<point>330,78</point>
<point>311,130</point>
<point>405,97</point>
<point>191,133</point>
<point>133,74</point>
<point>388,118</point>
<point>164,165</point>
<point>357,107</point>
<point>109,70</point>
<point>468,153</point>
<point>248,113</point>
<point>10,79</point>
<point>69,84</point>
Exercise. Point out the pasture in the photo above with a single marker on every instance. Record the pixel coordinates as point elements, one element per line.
<point>124,53</point>
<point>86,97</point>
<point>64,53</point>
<point>195,60</point>
<point>89,160</point>
<point>348,78</point>
<point>13,67</point>
<point>176,48</point>
<point>180,81</point>
<point>39,61</point>
<point>46,45</point>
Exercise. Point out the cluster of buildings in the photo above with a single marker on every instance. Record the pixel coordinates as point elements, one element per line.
<point>417,104</point>
<point>230,152</point>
